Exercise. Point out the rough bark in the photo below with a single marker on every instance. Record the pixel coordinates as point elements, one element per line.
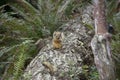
<point>100,43</point>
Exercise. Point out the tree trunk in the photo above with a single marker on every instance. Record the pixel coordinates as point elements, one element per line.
<point>100,43</point>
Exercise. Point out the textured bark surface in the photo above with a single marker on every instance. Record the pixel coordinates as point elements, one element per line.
<point>100,43</point>
<point>65,63</point>
<point>99,17</point>
<point>103,59</point>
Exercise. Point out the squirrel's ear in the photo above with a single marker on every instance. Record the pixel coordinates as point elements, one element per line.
<point>54,33</point>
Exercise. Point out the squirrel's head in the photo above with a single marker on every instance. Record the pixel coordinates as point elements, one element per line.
<point>58,35</point>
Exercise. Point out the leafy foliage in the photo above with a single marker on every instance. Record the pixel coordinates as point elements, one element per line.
<point>113,17</point>
<point>20,59</point>
<point>116,43</point>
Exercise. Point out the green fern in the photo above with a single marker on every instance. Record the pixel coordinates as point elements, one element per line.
<point>21,58</point>
<point>19,64</point>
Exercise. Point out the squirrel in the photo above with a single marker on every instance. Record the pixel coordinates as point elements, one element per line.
<point>57,39</point>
